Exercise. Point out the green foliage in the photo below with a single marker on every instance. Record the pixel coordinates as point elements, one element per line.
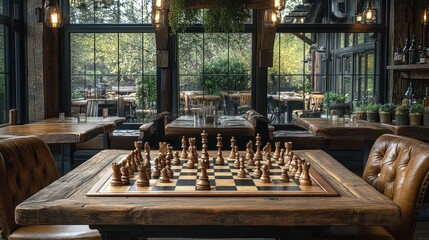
<point>387,107</point>
<point>334,97</point>
<point>373,107</point>
<point>219,75</point>
<point>402,109</point>
<point>360,108</point>
<point>226,16</point>
<point>180,16</point>
<point>417,109</point>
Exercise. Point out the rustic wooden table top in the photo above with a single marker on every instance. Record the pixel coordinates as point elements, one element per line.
<point>109,123</point>
<point>358,203</point>
<point>230,126</point>
<point>326,128</point>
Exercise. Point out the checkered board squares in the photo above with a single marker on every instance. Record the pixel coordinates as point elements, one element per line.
<point>223,182</point>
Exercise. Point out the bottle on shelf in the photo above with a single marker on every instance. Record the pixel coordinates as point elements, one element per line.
<point>426,98</point>
<point>422,54</point>
<point>405,51</point>
<point>397,58</point>
<point>413,52</point>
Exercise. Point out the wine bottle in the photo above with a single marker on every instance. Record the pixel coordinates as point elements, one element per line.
<point>405,51</point>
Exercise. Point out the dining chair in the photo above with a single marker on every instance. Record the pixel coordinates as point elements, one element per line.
<point>27,166</point>
<point>398,167</point>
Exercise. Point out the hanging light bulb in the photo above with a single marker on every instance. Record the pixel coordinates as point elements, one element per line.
<point>271,18</point>
<point>358,17</point>
<point>425,16</point>
<point>279,4</point>
<point>53,15</point>
<point>158,18</point>
<point>159,4</point>
<point>370,14</point>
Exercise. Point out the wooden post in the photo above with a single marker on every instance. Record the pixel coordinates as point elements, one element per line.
<point>12,117</point>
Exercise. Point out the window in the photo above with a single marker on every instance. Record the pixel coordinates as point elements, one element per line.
<point>113,65</point>
<point>12,67</point>
<point>214,69</point>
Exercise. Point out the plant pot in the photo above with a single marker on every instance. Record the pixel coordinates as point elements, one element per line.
<point>402,119</point>
<point>415,119</point>
<point>426,119</point>
<point>385,117</point>
<point>372,116</point>
<point>361,115</point>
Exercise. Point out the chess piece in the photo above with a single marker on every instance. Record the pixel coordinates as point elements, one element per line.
<point>125,178</point>
<point>190,164</point>
<point>237,160</point>
<point>130,170</point>
<point>169,170</point>
<point>267,150</point>
<point>232,154</point>
<point>281,160</point>
<point>164,176</point>
<point>169,152</point>
<point>176,159</point>
<point>191,155</point>
<point>204,144</point>
<point>241,173</point>
<point>268,162</point>
<point>156,171</point>
<point>116,175</point>
<point>146,162</point>
<point>288,146</point>
<point>194,152</point>
<point>284,177</point>
<point>304,179</point>
<point>289,159</point>
<point>257,171</point>
<point>276,154</point>
<point>138,145</point>
<point>146,152</point>
<point>258,154</point>
<point>142,180</point>
<point>250,161</point>
<point>265,178</point>
<point>203,182</point>
<point>184,154</point>
<point>292,166</point>
<point>298,169</point>
<point>219,145</point>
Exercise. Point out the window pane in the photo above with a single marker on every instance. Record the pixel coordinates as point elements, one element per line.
<point>3,75</point>
<point>3,7</point>
<point>215,68</point>
<point>110,11</point>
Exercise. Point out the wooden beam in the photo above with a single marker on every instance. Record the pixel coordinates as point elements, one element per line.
<point>51,71</point>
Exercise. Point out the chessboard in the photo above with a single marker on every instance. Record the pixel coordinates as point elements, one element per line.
<point>224,182</point>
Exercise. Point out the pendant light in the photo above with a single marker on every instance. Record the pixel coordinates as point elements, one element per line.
<point>370,14</point>
<point>53,14</point>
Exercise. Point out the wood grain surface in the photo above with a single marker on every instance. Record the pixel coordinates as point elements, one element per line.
<point>65,202</point>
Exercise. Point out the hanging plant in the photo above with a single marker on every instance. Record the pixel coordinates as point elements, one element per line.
<point>181,15</point>
<point>226,16</point>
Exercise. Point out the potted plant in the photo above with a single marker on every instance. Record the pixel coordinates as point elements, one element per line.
<point>426,117</point>
<point>372,112</point>
<point>416,114</point>
<point>385,112</point>
<point>401,115</point>
<point>361,112</point>
<point>336,101</point>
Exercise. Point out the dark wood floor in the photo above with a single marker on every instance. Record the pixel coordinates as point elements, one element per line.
<point>422,230</point>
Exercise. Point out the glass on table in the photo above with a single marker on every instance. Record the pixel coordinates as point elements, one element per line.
<point>62,117</point>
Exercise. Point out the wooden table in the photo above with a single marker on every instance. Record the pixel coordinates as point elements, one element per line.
<point>65,202</point>
<point>65,133</point>
<point>288,100</point>
<point>230,126</point>
<point>368,131</point>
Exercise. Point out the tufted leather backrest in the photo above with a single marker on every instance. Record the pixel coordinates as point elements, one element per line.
<point>26,166</point>
<point>398,167</point>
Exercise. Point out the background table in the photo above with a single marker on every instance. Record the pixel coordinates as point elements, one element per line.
<point>133,217</point>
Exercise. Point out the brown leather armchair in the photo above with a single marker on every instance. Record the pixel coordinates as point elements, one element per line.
<point>398,167</point>
<point>26,166</point>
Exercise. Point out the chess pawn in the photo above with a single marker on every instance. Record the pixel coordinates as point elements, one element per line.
<point>146,163</point>
<point>232,154</point>
<point>268,162</point>
<point>116,175</point>
<point>281,160</point>
<point>156,171</point>
<point>257,171</point>
<point>250,161</point>
<point>192,156</point>
<point>195,153</point>
<point>169,170</point>
<point>265,178</point>
<point>284,177</point>
<point>292,168</point>
<point>184,154</point>
<point>146,151</point>
<point>190,164</point>
<point>276,154</point>
<point>164,176</point>
<point>125,178</point>
<point>304,179</point>
<point>203,182</point>
<point>241,173</point>
<point>176,159</point>
<point>298,169</point>
<point>138,145</point>
<point>142,180</point>
<point>237,160</point>
<point>130,170</point>
<point>170,152</point>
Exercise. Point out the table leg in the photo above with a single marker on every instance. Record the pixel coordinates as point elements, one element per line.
<point>366,150</point>
<point>66,158</point>
<point>106,141</point>
<point>289,112</point>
